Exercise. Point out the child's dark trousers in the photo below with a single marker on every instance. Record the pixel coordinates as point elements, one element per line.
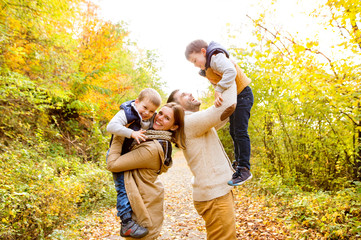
<point>238,128</point>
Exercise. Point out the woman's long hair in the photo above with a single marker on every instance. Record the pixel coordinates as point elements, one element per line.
<point>178,136</point>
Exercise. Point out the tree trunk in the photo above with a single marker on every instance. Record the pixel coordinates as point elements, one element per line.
<point>358,151</point>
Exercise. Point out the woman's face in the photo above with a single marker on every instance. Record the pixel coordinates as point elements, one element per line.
<point>164,120</point>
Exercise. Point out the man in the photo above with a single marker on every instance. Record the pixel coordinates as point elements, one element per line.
<point>213,198</point>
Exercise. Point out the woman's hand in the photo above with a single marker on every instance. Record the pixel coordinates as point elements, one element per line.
<point>218,99</point>
<point>139,135</point>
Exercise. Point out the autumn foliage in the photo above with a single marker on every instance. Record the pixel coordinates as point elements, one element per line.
<point>305,126</point>
<point>306,118</point>
<point>63,74</point>
<point>64,71</point>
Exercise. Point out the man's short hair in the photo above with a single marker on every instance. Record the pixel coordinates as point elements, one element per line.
<point>151,95</point>
<point>171,97</point>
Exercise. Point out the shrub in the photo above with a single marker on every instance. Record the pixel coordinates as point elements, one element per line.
<point>39,194</point>
<point>333,215</point>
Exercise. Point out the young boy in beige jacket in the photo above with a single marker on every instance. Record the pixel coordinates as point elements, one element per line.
<point>215,64</point>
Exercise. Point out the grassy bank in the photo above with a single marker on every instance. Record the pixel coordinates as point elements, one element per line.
<point>43,189</point>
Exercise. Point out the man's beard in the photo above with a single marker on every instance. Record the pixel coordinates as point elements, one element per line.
<point>192,107</point>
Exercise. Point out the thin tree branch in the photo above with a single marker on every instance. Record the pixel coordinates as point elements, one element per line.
<point>274,35</point>
<point>293,42</point>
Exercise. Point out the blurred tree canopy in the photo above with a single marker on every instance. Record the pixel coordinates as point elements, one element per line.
<point>63,74</point>
<point>64,62</point>
<point>306,120</point>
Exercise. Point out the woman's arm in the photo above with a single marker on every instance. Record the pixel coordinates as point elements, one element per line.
<point>146,155</point>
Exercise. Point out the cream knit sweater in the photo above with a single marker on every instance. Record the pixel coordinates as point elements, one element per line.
<point>205,153</point>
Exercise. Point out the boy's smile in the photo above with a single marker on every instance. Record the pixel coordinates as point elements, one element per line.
<point>145,108</point>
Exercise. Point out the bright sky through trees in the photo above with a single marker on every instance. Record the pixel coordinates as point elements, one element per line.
<point>168,26</point>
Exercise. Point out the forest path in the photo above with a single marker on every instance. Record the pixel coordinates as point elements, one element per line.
<point>254,219</point>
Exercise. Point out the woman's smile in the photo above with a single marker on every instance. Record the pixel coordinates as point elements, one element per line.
<point>164,120</point>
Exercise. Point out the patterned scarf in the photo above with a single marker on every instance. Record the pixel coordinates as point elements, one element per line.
<point>159,134</point>
<point>155,134</point>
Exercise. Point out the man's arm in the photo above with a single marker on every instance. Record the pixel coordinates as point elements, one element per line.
<point>200,122</point>
<point>222,124</point>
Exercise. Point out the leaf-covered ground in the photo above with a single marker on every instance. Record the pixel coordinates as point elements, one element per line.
<point>254,218</point>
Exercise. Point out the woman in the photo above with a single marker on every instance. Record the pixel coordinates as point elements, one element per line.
<point>145,162</point>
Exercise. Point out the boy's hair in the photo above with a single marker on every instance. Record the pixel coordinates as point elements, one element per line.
<point>151,95</point>
<point>196,47</point>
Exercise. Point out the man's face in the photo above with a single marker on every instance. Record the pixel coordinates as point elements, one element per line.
<point>187,101</point>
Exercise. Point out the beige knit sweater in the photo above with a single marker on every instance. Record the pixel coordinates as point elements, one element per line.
<point>204,151</point>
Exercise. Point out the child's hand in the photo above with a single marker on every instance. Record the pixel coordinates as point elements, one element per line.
<point>139,135</point>
<point>218,99</point>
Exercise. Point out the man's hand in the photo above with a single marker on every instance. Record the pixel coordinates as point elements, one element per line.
<point>139,135</point>
<point>218,99</point>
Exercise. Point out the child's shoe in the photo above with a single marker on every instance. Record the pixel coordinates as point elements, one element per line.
<point>132,229</point>
<point>240,176</point>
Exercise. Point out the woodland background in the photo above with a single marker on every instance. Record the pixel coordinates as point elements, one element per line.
<point>64,71</point>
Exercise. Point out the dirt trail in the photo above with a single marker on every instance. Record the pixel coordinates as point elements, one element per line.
<point>181,219</point>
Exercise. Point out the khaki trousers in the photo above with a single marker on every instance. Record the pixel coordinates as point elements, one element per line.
<point>219,216</point>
